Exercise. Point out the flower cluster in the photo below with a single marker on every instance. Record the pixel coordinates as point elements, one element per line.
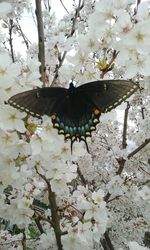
<point>50,198</point>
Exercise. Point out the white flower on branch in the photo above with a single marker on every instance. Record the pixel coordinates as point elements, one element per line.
<point>11,119</point>
<point>115,185</point>
<point>8,71</point>
<point>98,197</point>
<point>139,37</point>
<point>123,24</point>
<point>140,65</point>
<point>144,193</point>
<point>133,245</point>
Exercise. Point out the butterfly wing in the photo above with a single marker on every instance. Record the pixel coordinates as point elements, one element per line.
<point>38,102</point>
<point>108,94</point>
<point>76,118</point>
<point>74,113</point>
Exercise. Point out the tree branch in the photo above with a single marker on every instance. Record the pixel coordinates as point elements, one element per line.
<point>64,6</point>
<point>47,5</point>
<point>107,196</point>
<point>10,39</point>
<point>106,242</point>
<point>81,176</point>
<point>57,68</point>
<point>109,65</point>
<point>80,6</point>
<point>147,141</point>
<point>24,241</point>
<point>54,212</point>
<point>124,136</point>
<point>25,39</point>
<point>40,27</point>
<point>61,60</point>
<point>39,226</point>
<point>121,161</point>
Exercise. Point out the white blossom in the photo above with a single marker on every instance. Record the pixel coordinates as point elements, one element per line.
<point>8,71</point>
<point>38,172</point>
<point>134,245</point>
<point>139,37</point>
<point>145,193</point>
<point>59,185</point>
<point>88,43</point>
<point>73,242</point>
<point>47,240</point>
<point>114,186</point>
<point>123,24</point>
<point>139,66</point>
<point>11,119</point>
<point>98,197</point>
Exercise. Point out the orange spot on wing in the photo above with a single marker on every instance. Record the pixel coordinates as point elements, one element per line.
<point>53,117</point>
<point>96,111</point>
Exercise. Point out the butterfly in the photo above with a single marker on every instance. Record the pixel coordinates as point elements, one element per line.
<point>75,111</point>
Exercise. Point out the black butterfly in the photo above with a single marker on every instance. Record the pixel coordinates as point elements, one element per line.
<point>74,111</point>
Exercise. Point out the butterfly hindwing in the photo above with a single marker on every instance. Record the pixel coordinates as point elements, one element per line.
<point>76,118</point>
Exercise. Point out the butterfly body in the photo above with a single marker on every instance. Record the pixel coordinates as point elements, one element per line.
<point>74,111</point>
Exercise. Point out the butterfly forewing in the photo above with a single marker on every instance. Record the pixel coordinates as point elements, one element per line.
<point>107,94</point>
<point>38,102</point>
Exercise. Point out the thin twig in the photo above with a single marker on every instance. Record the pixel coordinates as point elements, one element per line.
<point>24,241</point>
<point>61,60</point>
<point>25,39</point>
<point>124,136</point>
<point>39,226</point>
<point>147,141</point>
<point>109,65</point>
<point>54,212</point>
<point>107,196</point>
<point>121,161</point>
<point>115,198</point>
<point>47,5</point>
<point>57,68</point>
<point>42,217</point>
<point>78,9</point>
<point>144,170</point>
<point>41,44</point>
<point>10,39</point>
<point>64,6</point>
<point>81,176</point>
<point>142,112</point>
<point>106,242</point>
<point>136,8</point>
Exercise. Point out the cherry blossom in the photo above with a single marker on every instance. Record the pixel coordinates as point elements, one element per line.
<point>134,245</point>
<point>62,200</point>
<point>8,71</point>
<point>12,119</point>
